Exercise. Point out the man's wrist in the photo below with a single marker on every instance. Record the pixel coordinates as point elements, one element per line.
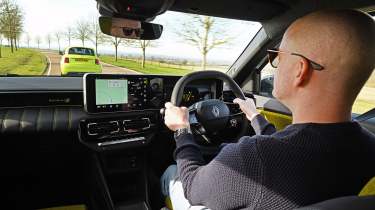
<point>251,117</point>
<point>182,131</point>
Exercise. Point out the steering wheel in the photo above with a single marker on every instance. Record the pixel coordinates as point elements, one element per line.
<point>211,118</point>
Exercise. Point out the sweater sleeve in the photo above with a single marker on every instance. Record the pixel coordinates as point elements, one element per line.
<point>262,126</point>
<point>231,178</point>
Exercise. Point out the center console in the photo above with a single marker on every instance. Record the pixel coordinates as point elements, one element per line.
<point>123,119</point>
<point>118,131</point>
<point>118,157</point>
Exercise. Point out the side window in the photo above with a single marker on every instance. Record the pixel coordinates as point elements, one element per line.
<point>366,99</point>
<point>266,81</point>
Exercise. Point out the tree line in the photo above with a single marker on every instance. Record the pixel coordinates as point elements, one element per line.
<point>11,29</point>
<point>11,24</point>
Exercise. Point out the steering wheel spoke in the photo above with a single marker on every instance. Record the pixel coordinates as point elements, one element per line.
<point>195,125</point>
<point>233,108</point>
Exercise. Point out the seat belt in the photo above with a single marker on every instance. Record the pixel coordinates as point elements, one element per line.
<point>365,116</point>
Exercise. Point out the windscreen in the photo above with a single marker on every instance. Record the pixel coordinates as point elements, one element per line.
<point>35,36</point>
<point>81,51</point>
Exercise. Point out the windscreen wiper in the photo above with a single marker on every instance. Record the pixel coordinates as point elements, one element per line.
<point>15,75</point>
<point>9,75</point>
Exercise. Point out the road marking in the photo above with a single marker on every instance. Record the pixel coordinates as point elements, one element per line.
<point>49,66</point>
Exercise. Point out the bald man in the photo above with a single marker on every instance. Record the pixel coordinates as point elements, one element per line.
<point>323,61</point>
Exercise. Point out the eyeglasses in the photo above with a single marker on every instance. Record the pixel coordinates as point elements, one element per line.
<point>273,58</point>
<point>130,31</point>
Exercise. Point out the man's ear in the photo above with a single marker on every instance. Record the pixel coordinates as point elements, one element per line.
<point>303,72</point>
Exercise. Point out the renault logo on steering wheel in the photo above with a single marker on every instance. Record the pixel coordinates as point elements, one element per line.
<point>215,111</point>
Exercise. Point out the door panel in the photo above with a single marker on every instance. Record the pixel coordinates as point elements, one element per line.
<point>275,112</point>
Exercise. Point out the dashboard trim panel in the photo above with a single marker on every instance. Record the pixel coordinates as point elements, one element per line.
<point>101,144</point>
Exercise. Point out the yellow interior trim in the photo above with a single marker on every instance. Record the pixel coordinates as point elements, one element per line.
<point>73,207</point>
<point>369,188</point>
<point>279,120</point>
<point>168,203</point>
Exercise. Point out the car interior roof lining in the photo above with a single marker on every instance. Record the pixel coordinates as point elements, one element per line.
<point>278,24</point>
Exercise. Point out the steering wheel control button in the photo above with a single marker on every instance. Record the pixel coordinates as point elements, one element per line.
<point>192,118</point>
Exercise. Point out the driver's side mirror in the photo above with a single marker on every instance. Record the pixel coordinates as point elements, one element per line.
<point>61,53</point>
<point>266,86</point>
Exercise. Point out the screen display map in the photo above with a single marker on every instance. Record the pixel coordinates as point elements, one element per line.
<point>110,91</point>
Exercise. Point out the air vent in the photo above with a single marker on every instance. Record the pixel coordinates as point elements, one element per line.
<point>102,128</point>
<point>136,125</point>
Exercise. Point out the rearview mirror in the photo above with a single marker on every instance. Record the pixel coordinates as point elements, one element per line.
<point>130,29</point>
<point>61,53</point>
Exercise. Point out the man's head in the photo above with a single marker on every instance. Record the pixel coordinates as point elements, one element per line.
<point>342,41</point>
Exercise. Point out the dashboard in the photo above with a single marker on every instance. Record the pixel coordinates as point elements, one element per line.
<point>109,111</point>
<point>135,101</point>
<point>107,93</point>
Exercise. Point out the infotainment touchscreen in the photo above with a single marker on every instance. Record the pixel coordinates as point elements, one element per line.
<point>111,91</point>
<point>115,93</point>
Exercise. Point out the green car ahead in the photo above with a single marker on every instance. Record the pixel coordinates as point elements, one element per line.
<point>79,60</point>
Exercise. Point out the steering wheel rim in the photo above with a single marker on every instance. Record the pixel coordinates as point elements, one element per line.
<point>183,81</point>
<point>178,90</point>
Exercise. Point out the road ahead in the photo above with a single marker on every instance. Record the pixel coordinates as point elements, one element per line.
<point>54,68</point>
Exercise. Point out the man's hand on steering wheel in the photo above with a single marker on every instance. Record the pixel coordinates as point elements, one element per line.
<point>248,107</point>
<point>176,117</point>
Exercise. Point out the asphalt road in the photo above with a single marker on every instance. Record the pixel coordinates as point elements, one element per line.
<point>54,68</point>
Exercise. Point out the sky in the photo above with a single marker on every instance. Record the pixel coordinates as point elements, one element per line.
<point>43,17</point>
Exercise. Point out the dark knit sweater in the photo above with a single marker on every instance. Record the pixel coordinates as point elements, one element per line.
<point>300,165</point>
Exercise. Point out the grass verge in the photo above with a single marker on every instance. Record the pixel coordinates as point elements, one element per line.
<point>371,81</point>
<point>149,68</point>
<point>22,62</point>
<point>362,106</point>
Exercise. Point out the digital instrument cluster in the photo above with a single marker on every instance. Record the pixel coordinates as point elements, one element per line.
<point>106,93</point>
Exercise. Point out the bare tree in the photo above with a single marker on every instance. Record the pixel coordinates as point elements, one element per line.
<point>28,39</point>
<point>82,31</point>
<point>69,34</point>
<point>38,41</point>
<point>115,41</point>
<point>49,39</point>
<point>96,35</point>
<point>58,38</point>
<point>143,45</point>
<point>203,32</point>
<point>11,22</point>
